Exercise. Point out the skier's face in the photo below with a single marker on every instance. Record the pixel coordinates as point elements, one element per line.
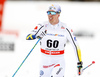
<point>53,18</point>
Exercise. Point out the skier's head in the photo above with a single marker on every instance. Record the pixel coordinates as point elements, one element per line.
<point>55,7</point>
<point>54,13</point>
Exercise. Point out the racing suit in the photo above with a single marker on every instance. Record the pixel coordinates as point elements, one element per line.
<point>52,47</point>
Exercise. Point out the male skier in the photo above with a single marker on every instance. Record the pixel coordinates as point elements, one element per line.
<point>54,35</point>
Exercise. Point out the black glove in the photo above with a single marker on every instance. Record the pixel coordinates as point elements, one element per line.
<point>79,66</point>
<point>43,33</point>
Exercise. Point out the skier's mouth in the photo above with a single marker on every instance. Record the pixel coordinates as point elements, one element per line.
<point>50,18</point>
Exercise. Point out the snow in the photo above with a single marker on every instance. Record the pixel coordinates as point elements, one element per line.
<point>23,16</point>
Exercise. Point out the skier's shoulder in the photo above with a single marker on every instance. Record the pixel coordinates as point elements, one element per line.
<point>65,25</point>
<point>41,25</point>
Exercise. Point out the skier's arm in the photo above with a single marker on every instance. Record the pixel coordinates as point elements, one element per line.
<point>37,32</point>
<point>74,42</point>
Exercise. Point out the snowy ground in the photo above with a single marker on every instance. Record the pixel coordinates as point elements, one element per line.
<point>22,16</point>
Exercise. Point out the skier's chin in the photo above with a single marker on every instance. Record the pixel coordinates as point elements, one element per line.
<point>50,21</point>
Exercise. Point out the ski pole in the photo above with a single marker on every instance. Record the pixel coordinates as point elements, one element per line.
<point>26,57</point>
<point>88,65</point>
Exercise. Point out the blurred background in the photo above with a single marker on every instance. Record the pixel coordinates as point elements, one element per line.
<point>19,17</point>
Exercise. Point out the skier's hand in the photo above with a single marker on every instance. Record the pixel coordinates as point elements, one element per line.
<point>79,66</point>
<point>43,33</point>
